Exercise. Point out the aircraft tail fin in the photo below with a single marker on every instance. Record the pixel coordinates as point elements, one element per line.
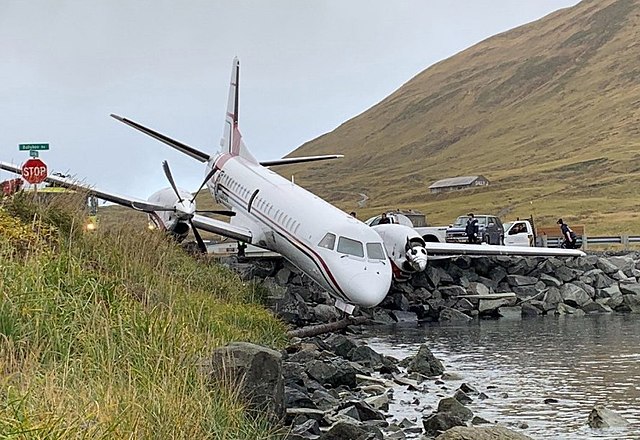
<point>232,138</point>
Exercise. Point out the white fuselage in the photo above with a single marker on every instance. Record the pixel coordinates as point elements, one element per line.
<point>290,220</point>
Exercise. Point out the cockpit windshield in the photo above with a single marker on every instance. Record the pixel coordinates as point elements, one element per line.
<point>350,247</point>
<point>375,251</point>
<point>328,241</point>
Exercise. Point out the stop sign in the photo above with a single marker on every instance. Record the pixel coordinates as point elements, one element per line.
<point>34,171</point>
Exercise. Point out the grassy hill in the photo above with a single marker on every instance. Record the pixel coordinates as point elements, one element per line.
<point>107,334</point>
<point>548,112</point>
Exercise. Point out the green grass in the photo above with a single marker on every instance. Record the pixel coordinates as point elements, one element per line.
<point>105,335</point>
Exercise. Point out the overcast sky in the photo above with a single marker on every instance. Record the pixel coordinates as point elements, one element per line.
<point>306,67</point>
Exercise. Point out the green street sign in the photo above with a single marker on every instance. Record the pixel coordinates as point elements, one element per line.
<point>33,153</point>
<point>29,147</point>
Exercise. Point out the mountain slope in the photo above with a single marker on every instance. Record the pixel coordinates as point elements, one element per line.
<point>547,111</point>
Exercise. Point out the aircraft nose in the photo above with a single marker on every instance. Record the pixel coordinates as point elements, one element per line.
<point>368,290</point>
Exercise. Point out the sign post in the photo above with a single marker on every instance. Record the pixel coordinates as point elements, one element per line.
<point>34,171</point>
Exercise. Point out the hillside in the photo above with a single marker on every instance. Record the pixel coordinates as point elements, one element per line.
<point>107,334</point>
<point>548,112</point>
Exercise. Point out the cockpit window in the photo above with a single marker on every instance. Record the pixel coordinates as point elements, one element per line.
<point>328,241</point>
<point>375,251</point>
<point>350,247</point>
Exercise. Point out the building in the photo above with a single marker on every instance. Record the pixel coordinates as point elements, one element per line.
<point>457,183</point>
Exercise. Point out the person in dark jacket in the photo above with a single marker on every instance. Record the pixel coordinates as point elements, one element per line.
<point>568,235</point>
<point>472,229</point>
<point>384,220</point>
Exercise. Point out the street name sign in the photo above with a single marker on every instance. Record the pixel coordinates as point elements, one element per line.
<point>27,147</point>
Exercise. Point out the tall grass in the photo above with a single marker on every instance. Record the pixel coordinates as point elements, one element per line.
<point>108,334</point>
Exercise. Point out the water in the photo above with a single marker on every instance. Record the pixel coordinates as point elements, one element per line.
<point>580,361</point>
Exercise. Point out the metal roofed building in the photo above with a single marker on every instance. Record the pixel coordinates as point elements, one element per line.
<point>457,183</point>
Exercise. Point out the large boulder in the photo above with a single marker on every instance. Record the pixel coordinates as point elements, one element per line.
<point>574,295</point>
<point>440,422</point>
<point>425,363</point>
<point>333,372</point>
<point>481,433</point>
<point>256,370</point>
<point>352,431</point>
<point>453,406</point>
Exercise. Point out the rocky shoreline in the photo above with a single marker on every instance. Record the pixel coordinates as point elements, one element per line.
<point>335,387</point>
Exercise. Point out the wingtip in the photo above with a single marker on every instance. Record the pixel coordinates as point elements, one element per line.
<point>119,118</point>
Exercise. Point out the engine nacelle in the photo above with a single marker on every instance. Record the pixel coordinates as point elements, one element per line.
<point>405,248</point>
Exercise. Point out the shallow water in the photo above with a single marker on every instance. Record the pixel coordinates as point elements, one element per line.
<point>580,361</point>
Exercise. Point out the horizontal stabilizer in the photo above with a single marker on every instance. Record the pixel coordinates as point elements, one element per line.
<point>184,148</point>
<point>292,160</point>
<point>488,249</point>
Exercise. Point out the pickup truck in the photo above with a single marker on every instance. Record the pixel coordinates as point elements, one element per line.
<point>490,230</point>
<point>430,234</point>
<point>519,233</point>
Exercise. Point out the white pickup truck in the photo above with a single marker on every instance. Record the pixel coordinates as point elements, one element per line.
<point>519,233</point>
<point>430,234</point>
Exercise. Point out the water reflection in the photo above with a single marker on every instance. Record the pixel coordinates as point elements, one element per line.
<point>579,361</point>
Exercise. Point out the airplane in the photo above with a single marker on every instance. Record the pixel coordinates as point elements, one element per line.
<point>349,259</point>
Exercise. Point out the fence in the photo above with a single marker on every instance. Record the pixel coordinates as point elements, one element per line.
<point>624,240</point>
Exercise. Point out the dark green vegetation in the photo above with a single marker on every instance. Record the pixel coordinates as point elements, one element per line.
<point>548,112</point>
<point>108,335</point>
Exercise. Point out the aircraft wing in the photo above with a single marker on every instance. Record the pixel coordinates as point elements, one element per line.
<point>222,228</point>
<point>488,249</point>
<point>130,202</point>
<point>291,160</point>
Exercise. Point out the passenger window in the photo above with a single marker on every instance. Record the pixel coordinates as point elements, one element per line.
<point>375,251</point>
<point>328,241</point>
<point>350,247</point>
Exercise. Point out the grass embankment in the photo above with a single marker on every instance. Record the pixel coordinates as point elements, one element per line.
<point>105,335</point>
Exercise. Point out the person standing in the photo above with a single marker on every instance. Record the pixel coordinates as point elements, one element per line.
<point>384,220</point>
<point>569,237</point>
<point>472,229</point>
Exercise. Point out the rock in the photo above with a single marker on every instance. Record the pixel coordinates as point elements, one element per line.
<point>340,344</point>
<point>462,397</point>
<point>453,406</point>
<point>452,291</point>
<point>451,315</point>
<point>606,266</point>
<point>490,305</point>
<point>601,417</point>
<point>550,281</point>
<point>439,422</point>
<point>596,307</point>
<point>343,430</point>
<point>574,295</point>
<point>308,429</point>
<point>624,263</point>
<point>333,372</point>
<point>323,400</point>
<point>295,398</point>
<point>364,410</point>
<point>477,420</point>
<point>529,309</point>
<point>379,402</point>
<point>477,289</point>
<point>326,313</point>
<point>282,276</point>
<point>630,289</point>
<point>482,433</point>
<point>425,363</point>
<point>451,376</point>
<point>521,280</point>
<point>514,312</point>
<point>402,316</point>
<point>366,356</point>
<point>256,370</point>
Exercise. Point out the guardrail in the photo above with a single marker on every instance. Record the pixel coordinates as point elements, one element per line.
<point>624,240</point>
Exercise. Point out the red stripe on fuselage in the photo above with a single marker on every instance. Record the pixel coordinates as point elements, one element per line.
<point>304,248</point>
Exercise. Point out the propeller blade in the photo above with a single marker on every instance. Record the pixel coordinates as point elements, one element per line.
<point>219,212</point>
<point>167,172</point>
<point>206,179</point>
<point>201,245</point>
